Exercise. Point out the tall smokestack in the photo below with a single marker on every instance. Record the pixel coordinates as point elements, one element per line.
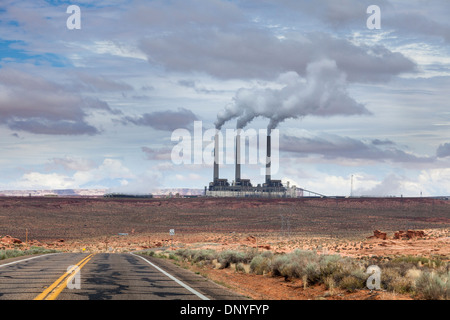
<point>238,156</point>
<point>268,160</point>
<point>216,156</point>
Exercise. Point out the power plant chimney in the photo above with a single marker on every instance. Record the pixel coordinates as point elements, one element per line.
<point>268,160</point>
<point>238,157</point>
<point>216,156</point>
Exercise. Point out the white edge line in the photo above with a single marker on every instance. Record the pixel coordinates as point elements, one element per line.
<point>198,294</point>
<point>14,262</point>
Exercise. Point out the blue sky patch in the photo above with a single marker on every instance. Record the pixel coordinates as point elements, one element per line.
<point>12,51</point>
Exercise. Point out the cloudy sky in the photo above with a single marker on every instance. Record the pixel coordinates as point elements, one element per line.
<point>96,107</point>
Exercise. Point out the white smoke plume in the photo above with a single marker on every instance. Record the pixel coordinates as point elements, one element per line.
<point>322,92</point>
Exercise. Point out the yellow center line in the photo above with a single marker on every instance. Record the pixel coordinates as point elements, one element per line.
<point>58,286</point>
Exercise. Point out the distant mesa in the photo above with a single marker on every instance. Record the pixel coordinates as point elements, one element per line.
<point>124,195</point>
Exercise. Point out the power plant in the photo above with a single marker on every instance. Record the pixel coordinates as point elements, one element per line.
<point>243,187</point>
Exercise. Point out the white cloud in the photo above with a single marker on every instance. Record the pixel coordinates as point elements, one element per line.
<point>71,163</point>
<point>110,169</point>
<point>102,47</point>
<point>36,180</point>
<point>189,177</point>
<point>435,181</point>
<point>145,183</point>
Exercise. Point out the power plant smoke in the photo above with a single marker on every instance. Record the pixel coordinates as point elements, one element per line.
<point>322,92</point>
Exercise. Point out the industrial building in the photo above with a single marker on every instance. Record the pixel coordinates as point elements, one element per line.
<point>243,187</point>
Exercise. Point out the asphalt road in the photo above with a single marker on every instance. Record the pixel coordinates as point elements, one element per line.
<point>103,276</point>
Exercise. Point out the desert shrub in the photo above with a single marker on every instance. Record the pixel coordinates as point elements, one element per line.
<point>355,279</point>
<point>400,268</point>
<point>317,268</point>
<point>185,253</point>
<point>240,267</point>
<point>432,286</point>
<point>346,267</point>
<point>12,253</point>
<point>410,259</point>
<point>39,250</point>
<point>402,285</point>
<point>388,276</point>
<point>297,264</point>
<point>330,264</point>
<point>260,264</point>
<point>418,261</point>
<point>413,274</point>
<point>267,254</point>
<point>351,283</point>
<point>287,266</point>
<point>173,256</point>
<point>312,272</point>
<point>151,253</point>
<point>359,273</point>
<point>202,263</point>
<point>204,255</point>
<point>227,257</point>
<point>329,282</point>
<point>292,270</point>
<point>307,255</point>
<point>278,264</point>
<point>250,254</point>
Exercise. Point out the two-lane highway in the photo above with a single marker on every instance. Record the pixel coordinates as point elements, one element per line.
<point>103,276</point>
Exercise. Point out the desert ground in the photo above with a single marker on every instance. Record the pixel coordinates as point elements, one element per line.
<point>331,226</point>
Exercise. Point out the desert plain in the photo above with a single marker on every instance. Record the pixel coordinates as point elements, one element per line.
<point>343,226</point>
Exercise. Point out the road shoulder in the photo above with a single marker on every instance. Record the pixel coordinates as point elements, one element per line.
<point>196,281</point>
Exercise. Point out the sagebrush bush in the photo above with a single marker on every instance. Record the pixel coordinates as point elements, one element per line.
<point>278,263</point>
<point>413,274</point>
<point>312,272</point>
<point>293,265</point>
<point>432,286</point>
<point>351,283</point>
<point>185,253</point>
<point>260,264</point>
<point>267,254</point>
<point>309,264</point>
<point>329,282</point>
<point>346,267</point>
<point>12,253</point>
<point>240,267</point>
<point>402,285</point>
<point>330,264</point>
<point>227,257</point>
<point>419,261</point>
<point>388,277</point>
<point>173,256</point>
<point>204,255</point>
